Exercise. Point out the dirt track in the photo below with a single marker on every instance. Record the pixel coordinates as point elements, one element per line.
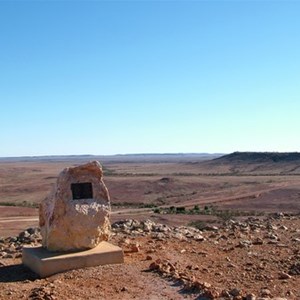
<point>284,198</point>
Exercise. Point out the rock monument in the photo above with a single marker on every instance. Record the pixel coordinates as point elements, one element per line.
<point>75,226</point>
<point>75,216</point>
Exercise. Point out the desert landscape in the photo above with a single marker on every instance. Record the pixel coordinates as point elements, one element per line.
<point>237,184</point>
<point>191,226</point>
<point>149,150</point>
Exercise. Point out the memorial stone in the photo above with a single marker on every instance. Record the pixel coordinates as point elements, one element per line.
<point>75,225</point>
<point>75,216</point>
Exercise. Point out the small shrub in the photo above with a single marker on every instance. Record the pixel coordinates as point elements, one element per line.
<point>147,205</point>
<point>196,208</point>
<point>8,204</point>
<point>172,209</point>
<point>20,204</point>
<point>180,210</point>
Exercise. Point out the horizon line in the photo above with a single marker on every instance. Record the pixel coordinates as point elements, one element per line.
<point>140,154</point>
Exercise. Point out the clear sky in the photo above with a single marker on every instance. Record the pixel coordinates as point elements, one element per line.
<point>108,77</point>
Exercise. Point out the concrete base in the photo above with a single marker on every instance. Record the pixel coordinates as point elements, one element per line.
<point>46,263</point>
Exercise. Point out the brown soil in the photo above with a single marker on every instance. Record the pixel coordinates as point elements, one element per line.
<point>165,183</point>
<point>224,260</point>
<point>233,260</point>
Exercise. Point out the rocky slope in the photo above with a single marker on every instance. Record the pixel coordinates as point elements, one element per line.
<point>256,163</point>
<point>260,157</point>
<point>252,259</point>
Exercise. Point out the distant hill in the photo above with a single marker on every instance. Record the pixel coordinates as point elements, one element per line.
<point>119,158</point>
<point>254,163</point>
<point>260,157</point>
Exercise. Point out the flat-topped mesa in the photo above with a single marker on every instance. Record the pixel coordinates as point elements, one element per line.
<point>75,216</point>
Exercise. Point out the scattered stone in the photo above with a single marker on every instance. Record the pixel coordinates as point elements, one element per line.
<point>135,248</point>
<point>258,241</point>
<point>295,268</point>
<point>273,236</point>
<point>273,242</point>
<point>158,231</point>
<point>3,254</point>
<point>244,244</point>
<point>265,292</point>
<point>283,275</point>
<point>211,228</point>
<point>282,246</point>
<point>237,236</point>
<point>44,292</point>
<point>235,292</point>
<point>179,236</point>
<point>282,227</point>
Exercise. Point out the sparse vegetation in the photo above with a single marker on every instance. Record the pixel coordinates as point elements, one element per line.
<point>149,185</point>
<point>133,204</point>
<point>20,204</point>
<point>224,215</point>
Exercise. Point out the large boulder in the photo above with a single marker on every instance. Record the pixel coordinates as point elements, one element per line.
<point>75,216</point>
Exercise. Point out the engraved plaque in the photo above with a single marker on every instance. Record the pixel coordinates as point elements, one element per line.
<point>82,190</point>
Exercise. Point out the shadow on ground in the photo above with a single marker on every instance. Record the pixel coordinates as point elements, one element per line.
<point>15,273</point>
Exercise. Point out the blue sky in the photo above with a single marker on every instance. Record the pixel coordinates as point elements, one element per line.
<point>108,77</point>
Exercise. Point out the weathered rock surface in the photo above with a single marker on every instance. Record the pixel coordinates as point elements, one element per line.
<point>70,223</point>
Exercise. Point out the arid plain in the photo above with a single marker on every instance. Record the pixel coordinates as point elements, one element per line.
<point>233,185</point>
<point>241,243</point>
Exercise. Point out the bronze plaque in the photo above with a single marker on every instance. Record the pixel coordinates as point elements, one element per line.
<point>82,190</point>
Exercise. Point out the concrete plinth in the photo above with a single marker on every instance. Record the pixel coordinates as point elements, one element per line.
<point>46,263</point>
